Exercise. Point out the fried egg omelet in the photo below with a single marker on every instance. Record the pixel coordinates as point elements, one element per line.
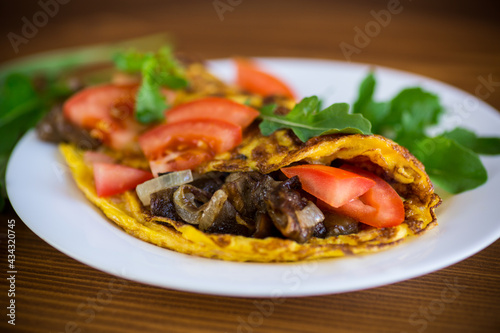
<point>266,154</point>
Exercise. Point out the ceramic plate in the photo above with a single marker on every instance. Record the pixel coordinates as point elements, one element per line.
<point>46,198</point>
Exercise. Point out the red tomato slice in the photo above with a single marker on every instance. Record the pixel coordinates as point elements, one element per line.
<point>250,78</point>
<point>219,135</point>
<point>91,157</point>
<point>108,111</point>
<point>213,108</point>
<point>379,207</point>
<point>93,104</point>
<point>180,160</point>
<point>113,179</point>
<point>334,186</point>
<point>185,144</point>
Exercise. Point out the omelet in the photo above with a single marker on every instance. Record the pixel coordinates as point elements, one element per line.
<point>267,154</point>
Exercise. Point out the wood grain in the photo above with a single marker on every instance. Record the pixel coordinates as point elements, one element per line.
<point>450,41</point>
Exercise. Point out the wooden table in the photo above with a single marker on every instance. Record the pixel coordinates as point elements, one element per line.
<point>449,41</point>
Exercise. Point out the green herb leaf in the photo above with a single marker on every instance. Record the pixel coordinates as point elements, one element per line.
<point>375,112</point>
<point>129,61</point>
<point>365,95</point>
<point>450,159</point>
<point>306,121</point>
<point>21,108</point>
<point>405,117</point>
<point>169,63</point>
<point>171,81</point>
<point>450,165</point>
<point>411,111</point>
<point>150,103</point>
<point>157,69</point>
<point>421,105</point>
<point>469,139</point>
<point>16,90</point>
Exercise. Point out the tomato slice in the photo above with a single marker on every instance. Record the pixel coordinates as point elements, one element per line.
<point>108,112</point>
<point>180,160</point>
<point>250,78</point>
<point>379,207</point>
<point>93,104</point>
<point>213,108</point>
<point>91,157</point>
<point>185,144</point>
<point>111,179</point>
<point>334,186</point>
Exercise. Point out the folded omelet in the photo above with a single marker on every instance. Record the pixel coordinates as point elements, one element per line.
<point>266,154</point>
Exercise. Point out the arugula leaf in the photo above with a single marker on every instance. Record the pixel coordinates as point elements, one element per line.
<point>405,117</point>
<point>375,112</point>
<point>157,70</point>
<point>450,165</point>
<point>421,105</point>
<point>469,139</point>
<point>306,121</point>
<point>450,159</point>
<point>412,110</point>
<point>365,94</point>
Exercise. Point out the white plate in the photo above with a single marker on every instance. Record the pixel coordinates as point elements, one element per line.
<point>45,197</point>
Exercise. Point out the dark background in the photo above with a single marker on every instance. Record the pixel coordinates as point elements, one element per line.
<point>434,38</point>
<point>452,41</point>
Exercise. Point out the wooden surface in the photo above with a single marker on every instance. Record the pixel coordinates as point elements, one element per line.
<point>449,41</point>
